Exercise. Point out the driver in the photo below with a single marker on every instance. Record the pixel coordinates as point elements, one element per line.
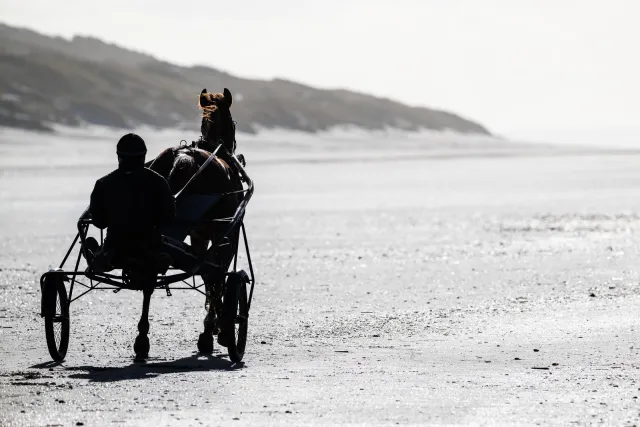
<point>133,203</point>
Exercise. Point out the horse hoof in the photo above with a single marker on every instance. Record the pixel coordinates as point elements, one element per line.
<point>205,343</point>
<point>222,339</point>
<point>141,347</point>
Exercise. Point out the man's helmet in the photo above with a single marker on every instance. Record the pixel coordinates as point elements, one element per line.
<point>131,145</point>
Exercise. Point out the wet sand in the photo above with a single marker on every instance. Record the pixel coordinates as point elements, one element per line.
<point>397,284</point>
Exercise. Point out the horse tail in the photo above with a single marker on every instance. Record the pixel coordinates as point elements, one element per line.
<point>182,170</point>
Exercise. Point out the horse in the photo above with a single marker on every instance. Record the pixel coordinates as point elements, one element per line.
<point>178,165</point>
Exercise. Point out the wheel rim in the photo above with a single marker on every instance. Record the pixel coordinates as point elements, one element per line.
<point>236,317</point>
<point>57,333</point>
<point>57,322</point>
<point>237,323</point>
<point>241,322</point>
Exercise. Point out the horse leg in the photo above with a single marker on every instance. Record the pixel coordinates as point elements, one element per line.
<point>225,257</point>
<point>141,345</point>
<point>199,243</point>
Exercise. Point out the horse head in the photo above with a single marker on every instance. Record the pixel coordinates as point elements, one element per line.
<point>217,124</point>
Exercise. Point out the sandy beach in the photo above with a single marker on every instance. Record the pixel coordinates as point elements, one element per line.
<point>398,282</point>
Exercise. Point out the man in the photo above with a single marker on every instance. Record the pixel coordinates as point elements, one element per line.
<point>133,203</point>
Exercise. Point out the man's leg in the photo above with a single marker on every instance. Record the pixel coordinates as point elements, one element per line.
<point>147,281</point>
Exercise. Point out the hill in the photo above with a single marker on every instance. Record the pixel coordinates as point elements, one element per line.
<point>45,80</point>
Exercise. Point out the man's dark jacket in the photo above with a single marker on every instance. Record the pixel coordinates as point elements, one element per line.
<point>134,205</point>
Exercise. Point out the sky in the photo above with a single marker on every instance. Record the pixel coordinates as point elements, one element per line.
<point>521,67</point>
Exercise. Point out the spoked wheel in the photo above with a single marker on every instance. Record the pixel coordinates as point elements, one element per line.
<point>235,316</point>
<point>56,316</point>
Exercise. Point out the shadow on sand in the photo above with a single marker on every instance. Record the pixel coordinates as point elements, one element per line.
<point>144,370</point>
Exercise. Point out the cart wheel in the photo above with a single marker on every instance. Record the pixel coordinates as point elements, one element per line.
<point>56,316</point>
<point>235,316</point>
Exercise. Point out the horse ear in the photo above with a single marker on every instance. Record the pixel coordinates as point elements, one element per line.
<point>227,96</point>
<point>204,100</point>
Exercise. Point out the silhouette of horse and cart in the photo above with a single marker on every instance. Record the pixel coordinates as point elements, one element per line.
<point>212,190</point>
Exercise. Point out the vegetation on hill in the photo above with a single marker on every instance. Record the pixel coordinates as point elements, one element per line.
<point>46,80</point>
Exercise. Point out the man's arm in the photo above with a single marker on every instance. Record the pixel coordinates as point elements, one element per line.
<point>97,206</point>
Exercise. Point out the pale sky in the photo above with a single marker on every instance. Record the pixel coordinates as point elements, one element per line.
<point>517,66</point>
